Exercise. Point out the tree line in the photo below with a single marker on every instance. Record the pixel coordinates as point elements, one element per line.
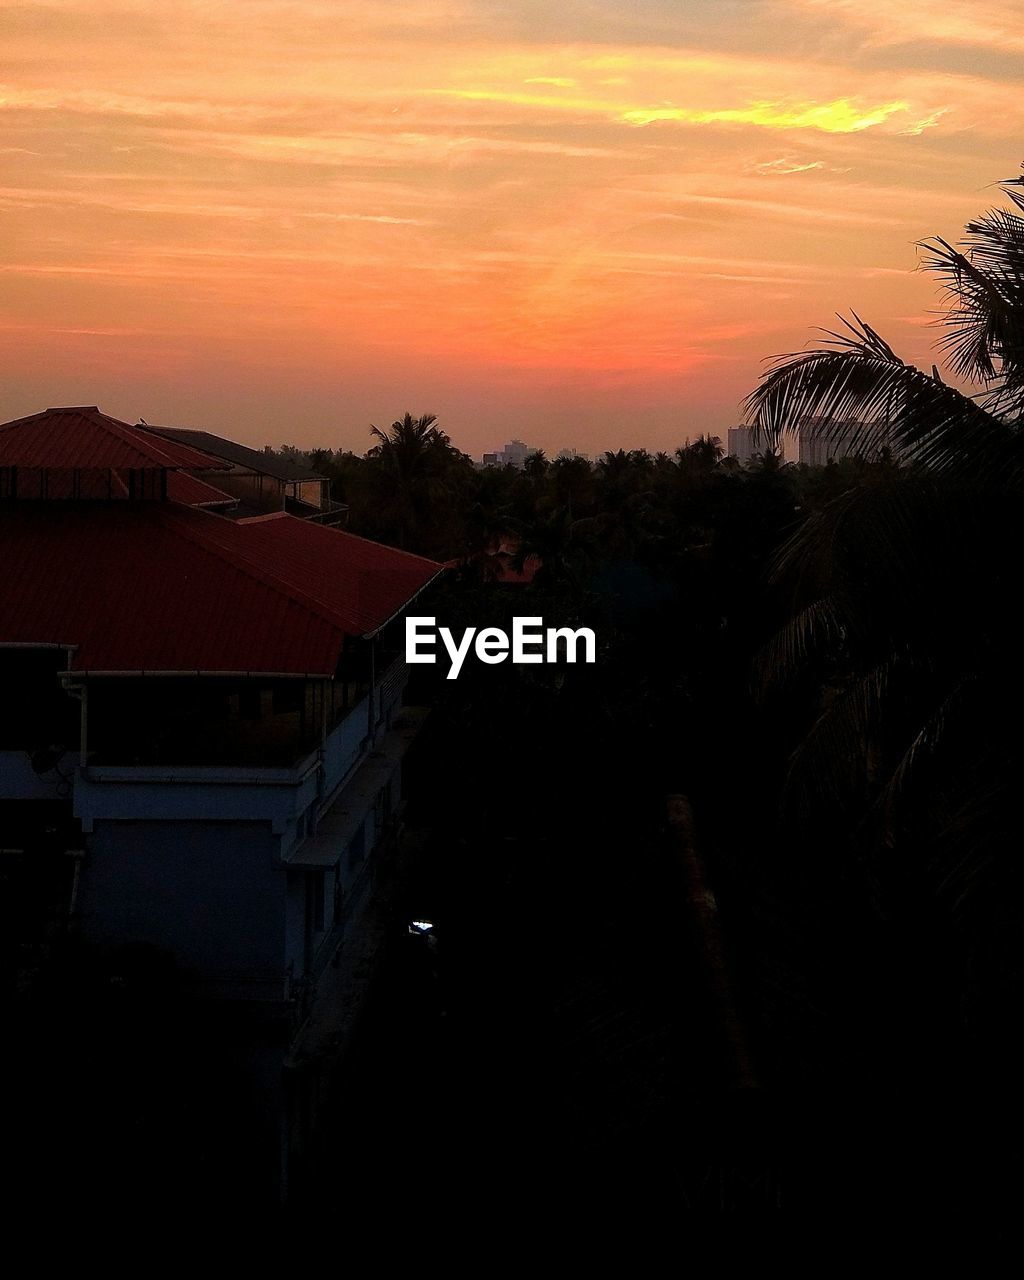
<point>824,660</point>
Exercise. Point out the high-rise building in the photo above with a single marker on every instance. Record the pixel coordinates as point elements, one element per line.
<point>741,443</point>
<point>819,450</point>
<point>514,454</point>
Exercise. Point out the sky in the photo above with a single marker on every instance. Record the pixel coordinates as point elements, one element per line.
<point>584,225</point>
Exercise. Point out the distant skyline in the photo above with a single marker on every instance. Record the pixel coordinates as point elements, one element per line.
<point>581,226</point>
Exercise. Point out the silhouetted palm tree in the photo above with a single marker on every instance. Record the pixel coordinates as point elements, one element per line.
<point>562,545</point>
<point>417,468</point>
<point>536,464</point>
<point>702,455</point>
<point>572,483</point>
<point>903,582</point>
<point>857,384</point>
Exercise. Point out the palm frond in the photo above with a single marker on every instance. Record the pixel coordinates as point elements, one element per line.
<point>984,339</point>
<point>856,389</point>
<point>926,740</point>
<point>836,760</point>
<point>811,630</point>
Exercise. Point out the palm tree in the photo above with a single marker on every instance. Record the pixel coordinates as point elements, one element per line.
<point>701,456</point>
<point>407,442</point>
<point>417,468</point>
<point>562,546</point>
<point>857,379</point>
<point>902,628</point>
<point>623,473</point>
<point>535,465</point>
<point>572,483</point>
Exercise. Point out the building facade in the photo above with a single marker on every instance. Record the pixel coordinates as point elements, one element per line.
<point>204,732</point>
<point>257,481</point>
<point>741,444</point>
<point>818,450</point>
<point>514,454</point>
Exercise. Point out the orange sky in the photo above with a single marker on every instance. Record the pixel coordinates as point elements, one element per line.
<point>284,220</point>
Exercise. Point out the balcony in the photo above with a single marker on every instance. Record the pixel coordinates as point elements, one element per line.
<point>269,770</point>
<point>348,809</point>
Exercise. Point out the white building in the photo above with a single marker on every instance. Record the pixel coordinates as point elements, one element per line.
<point>820,450</point>
<point>741,444</point>
<point>228,696</point>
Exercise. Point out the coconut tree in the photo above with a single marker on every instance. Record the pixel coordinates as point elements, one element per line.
<point>572,484</point>
<point>564,548</point>
<point>856,387</point>
<point>902,633</point>
<point>417,471</point>
<point>702,455</point>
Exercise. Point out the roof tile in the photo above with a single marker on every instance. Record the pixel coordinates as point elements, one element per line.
<point>82,438</point>
<point>165,587</point>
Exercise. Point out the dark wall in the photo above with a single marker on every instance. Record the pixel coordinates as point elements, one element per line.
<point>212,894</point>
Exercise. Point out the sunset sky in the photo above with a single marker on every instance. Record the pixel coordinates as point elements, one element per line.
<point>583,224</point>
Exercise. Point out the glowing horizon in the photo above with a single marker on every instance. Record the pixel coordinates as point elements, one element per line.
<point>284,221</point>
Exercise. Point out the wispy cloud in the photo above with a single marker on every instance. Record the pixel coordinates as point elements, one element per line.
<point>785,165</point>
<point>928,122</point>
<point>410,198</point>
<point>841,115</point>
<point>39,198</point>
<point>838,116</point>
<point>970,23</point>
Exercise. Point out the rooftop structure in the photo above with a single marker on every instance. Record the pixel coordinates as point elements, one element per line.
<point>77,452</point>
<point>259,480</point>
<point>81,438</point>
<point>267,594</point>
<point>204,735</point>
<point>514,454</point>
<point>817,450</point>
<point>741,444</point>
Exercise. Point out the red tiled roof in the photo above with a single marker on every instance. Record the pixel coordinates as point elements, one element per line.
<point>193,492</point>
<point>375,586</point>
<point>80,438</point>
<point>165,587</point>
<point>68,483</point>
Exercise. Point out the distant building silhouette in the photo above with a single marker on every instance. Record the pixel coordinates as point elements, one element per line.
<point>741,444</point>
<point>514,454</point>
<point>819,450</point>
